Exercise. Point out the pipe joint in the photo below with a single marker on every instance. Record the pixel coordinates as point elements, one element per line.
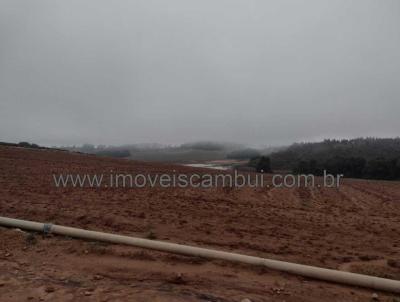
<point>47,228</point>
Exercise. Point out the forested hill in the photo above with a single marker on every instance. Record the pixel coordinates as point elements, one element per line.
<point>321,152</point>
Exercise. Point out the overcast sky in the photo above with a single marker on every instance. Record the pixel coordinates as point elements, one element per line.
<point>258,72</point>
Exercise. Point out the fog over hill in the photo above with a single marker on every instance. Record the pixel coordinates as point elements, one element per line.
<point>196,151</point>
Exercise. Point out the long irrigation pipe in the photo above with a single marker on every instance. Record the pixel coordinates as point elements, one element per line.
<point>293,268</point>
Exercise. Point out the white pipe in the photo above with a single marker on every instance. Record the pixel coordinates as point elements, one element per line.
<point>293,268</point>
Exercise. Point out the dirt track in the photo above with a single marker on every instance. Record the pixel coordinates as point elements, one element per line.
<point>355,228</point>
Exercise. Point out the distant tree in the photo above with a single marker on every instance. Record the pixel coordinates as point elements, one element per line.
<point>24,144</point>
<point>382,168</point>
<point>302,167</point>
<point>264,165</point>
<point>350,167</point>
<point>28,145</point>
<point>308,167</point>
<point>253,161</point>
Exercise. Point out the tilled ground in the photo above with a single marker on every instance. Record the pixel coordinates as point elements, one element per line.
<point>355,228</point>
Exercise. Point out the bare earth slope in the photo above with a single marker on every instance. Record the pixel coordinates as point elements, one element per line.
<point>354,228</point>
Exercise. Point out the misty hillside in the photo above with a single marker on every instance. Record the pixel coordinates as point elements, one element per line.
<point>196,151</point>
<point>187,152</point>
<point>367,148</point>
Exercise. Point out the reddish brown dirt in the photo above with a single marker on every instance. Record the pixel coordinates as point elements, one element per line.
<point>355,228</point>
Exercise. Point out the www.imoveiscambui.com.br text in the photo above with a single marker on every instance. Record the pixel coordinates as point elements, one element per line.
<point>193,180</point>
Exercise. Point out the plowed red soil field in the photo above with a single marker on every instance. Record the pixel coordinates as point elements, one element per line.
<point>355,227</point>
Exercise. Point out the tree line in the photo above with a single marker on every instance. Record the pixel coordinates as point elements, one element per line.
<point>353,167</point>
<point>368,148</point>
<point>369,158</point>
